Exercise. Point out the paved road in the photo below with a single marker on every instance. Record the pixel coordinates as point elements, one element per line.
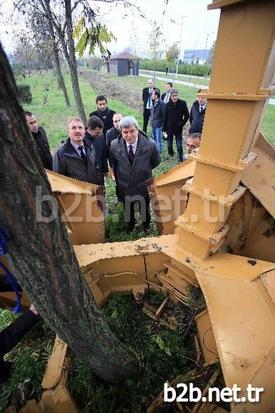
<point>181,82</point>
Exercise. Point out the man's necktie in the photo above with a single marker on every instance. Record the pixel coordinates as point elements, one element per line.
<point>82,153</point>
<point>131,154</point>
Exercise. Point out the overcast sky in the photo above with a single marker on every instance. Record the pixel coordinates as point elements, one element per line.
<point>185,21</point>
<point>199,26</point>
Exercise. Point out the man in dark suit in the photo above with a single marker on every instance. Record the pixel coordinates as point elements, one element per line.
<point>75,158</point>
<point>176,116</point>
<point>95,138</point>
<point>133,157</point>
<point>165,97</point>
<point>197,114</point>
<point>104,113</point>
<point>41,140</point>
<point>114,132</point>
<point>147,103</point>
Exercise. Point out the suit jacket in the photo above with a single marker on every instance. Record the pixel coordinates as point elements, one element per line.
<point>106,117</point>
<point>131,179</point>
<point>67,162</point>
<point>145,96</point>
<point>43,148</point>
<point>176,116</point>
<point>196,118</point>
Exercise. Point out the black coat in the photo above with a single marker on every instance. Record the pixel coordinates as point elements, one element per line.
<point>176,116</point>
<point>111,135</point>
<point>43,148</point>
<point>99,147</point>
<point>67,162</point>
<point>158,114</point>
<point>106,117</point>
<point>131,179</point>
<point>196,118</point>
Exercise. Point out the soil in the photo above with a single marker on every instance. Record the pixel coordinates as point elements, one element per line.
<point>114,90</point>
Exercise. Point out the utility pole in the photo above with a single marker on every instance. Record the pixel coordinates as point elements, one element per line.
<point>177,67</point>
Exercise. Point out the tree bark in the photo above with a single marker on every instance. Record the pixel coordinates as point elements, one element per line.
<point>40,253</point>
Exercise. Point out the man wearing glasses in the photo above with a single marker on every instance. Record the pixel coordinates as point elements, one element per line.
<point>133,157</point>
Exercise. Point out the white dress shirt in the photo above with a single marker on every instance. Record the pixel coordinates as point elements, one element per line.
<point>76,147</point>
<point>134,146</point>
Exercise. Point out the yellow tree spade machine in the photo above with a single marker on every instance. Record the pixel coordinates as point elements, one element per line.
<point>220,235</point>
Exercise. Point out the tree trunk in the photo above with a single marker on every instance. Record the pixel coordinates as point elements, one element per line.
<point>72,60</point>
<point>59,75</point>
<point>57,65</point>
<point>40,253</point>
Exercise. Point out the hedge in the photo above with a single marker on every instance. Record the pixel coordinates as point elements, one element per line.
<point>184,68</point>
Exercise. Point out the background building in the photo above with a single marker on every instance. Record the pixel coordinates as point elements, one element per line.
<point>123,64</point>
<point>199,56</point>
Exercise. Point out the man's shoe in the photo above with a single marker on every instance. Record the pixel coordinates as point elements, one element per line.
<point>130,228</point>
<point>5,367</point>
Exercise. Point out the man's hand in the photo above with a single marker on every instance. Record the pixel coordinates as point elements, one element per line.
<point>164,135</point>
<point>33,309</point>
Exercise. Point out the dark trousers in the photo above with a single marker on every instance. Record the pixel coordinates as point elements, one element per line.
<point>129,210</point>
<point>178,143</point>
<point>146,116</point>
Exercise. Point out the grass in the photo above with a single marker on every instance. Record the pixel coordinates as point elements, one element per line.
<point>162,353</point>
<point>188,93</point>
<point>268,124</point>
<point>48,103</point>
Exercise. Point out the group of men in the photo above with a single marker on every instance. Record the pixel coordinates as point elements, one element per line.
<point>169,114</point>
<point>84,156</point>
<point>110,138</point>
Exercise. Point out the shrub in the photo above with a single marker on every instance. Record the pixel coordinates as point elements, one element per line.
<point>24,93</point>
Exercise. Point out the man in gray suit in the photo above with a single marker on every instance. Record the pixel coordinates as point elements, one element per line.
<point>133,157</point>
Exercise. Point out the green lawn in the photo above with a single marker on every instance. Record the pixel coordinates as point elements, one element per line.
<point>268,124</point>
